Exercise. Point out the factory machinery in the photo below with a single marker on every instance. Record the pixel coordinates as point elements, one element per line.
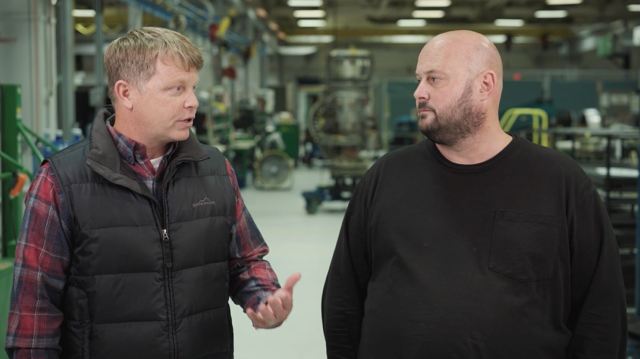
<point>337,125</point>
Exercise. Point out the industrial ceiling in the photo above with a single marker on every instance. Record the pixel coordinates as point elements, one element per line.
<point>318,21</point>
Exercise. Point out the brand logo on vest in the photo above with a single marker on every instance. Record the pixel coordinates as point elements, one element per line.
<point>204,202</point>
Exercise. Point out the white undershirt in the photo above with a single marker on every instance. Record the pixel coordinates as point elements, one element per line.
<point>156,162</point>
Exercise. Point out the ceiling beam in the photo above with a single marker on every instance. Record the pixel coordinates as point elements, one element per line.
<point>487,29</point>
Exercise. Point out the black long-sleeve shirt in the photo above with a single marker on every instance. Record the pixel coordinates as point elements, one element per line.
<point>511,258</point>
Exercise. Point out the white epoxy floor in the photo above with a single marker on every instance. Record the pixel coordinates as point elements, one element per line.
<point>298,242</point>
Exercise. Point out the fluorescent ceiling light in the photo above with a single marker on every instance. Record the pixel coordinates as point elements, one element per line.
<point>312,23</point>
<point>311,39</point>
<point>297,50</point>
<point>509,22</point>
<point>411,22</point>
<point>429,14</point>
<point>309,13</point>
<point>432,3</point>
<point>550,14</point>
<point>83,13</point>
<point>398,39</point>
<point>633,7</point>
<point>564,2</point>
<point>497,39</point>
<point>304,3</point>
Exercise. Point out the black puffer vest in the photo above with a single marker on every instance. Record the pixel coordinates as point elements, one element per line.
<point>147,279</point>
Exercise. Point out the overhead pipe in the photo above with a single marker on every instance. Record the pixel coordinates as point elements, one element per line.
<point>152,9</point>
<point>196,10</point>
<point>197,19</point>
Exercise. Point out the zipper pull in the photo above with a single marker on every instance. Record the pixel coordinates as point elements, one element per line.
<point>165,236</point>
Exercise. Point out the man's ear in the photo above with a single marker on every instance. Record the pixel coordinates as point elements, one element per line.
<point>124,93</point>
<point>488,84</point>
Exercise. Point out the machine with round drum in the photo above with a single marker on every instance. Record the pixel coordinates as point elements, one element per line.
<point>336,123</point>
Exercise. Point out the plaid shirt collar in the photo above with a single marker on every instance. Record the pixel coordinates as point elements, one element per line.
<point>132,151</point>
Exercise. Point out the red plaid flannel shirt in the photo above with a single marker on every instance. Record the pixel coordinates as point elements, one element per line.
<point>44,248</point>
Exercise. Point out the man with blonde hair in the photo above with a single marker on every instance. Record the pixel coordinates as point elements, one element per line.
<point>473,243</point>
<point>134,239</point>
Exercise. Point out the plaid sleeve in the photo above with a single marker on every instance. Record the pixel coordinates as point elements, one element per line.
<point>41,263</point>
<point>251,278</point>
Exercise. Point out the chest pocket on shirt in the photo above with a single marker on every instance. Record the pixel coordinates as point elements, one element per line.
<point>524,246</point>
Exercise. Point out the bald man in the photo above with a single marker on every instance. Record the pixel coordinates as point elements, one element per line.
<point>474,243</point>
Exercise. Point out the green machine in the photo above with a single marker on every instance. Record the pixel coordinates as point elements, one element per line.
<point>10,112</point>
<point>291,136</point>
<point>13,176</point>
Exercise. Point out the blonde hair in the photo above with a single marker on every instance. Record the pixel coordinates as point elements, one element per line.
<point>132,57</point>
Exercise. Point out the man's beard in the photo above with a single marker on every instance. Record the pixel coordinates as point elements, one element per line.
<point>460,121</point>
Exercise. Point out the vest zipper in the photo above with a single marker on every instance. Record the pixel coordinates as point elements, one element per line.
<point>166,246</point>
<point>168,263</point>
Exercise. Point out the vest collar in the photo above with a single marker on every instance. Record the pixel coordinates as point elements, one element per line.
<point>105,159</point>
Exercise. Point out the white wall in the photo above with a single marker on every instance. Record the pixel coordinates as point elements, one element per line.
<point>28,58</point>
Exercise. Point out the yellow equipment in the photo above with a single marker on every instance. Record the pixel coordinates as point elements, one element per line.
<point>539,122</point>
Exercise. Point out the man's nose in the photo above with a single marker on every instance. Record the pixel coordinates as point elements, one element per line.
<point>192,101</point>
<point>421,92</point>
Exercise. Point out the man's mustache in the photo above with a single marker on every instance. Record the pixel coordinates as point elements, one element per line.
<point>424,105</point>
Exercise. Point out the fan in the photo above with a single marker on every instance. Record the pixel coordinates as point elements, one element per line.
<point>273,170</point>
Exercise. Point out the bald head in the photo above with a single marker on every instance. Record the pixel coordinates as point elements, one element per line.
<point>461,58</point>
<point>467,50</point>
<point>459,75</point>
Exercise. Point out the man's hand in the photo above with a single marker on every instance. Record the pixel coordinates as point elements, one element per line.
<point>276,308</point>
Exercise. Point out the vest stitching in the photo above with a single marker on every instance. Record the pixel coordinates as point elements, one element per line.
<point>106,274</point>
<point>133,321</point>
<point>104,182</point>
<point>157,272</point>
<point>131,226</point>
<point>224,306</point>
<point>199,219</point>
<point>203,176</point>
<point>203,265</point>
